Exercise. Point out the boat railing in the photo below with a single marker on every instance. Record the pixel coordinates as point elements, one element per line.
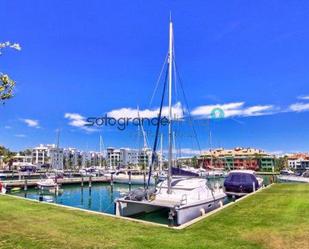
<point>160,188</point>
<point>184,199</point>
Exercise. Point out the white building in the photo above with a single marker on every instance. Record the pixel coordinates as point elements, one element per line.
<point>90,158</point>
<point>113,157</point>
<point>95,158</point>
<point>48,155</point>
<point>304,165</point>
<point>144,157</point>
<point>298,161</point>
<point>129,157</point>
<point>295,163</point>
<point>71,158</point>
<point>298,164</point>
<point>85,159</point>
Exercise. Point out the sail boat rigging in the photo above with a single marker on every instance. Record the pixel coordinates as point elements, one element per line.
<point>170,132</point>
<point>185,198</point>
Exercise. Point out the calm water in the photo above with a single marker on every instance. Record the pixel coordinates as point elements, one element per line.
<point>101,197</point>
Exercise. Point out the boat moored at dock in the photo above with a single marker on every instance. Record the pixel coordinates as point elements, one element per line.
<point>242,182</point>
<point>47,184</point>
<point>303,178</point>
<point>128,177</point>
<point>189,199</point>
<point>184,197</point>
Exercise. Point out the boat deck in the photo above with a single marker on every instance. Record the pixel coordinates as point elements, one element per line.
<point>157,203</point>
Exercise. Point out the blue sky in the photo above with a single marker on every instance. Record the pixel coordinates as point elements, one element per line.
<point>88,58</point>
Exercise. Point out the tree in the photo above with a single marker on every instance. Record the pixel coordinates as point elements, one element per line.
<point>7,85</point>
<point>26,152</point>
<point>7,156</point>
<point>194,161</point>
<point>281,163</point>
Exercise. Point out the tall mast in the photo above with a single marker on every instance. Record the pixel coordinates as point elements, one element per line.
<point>161,151</point>
<point>170,132</point>
<point>58,139</point>
<point>100,157</point>
<point>143,131</point>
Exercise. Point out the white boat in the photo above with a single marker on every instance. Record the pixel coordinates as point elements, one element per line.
<point>184,198</point>
<point>212,173</point>
<point>304,178</point>
<point>286,172</point>
<point>47,184</point>
<point>135,179</point>
<point>89,172</point>
<point>189,199</point>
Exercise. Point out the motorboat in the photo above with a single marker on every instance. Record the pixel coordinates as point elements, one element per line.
<point>29,168</point>
<point>47,184</point>
<point>306,174</point>
<point>303,178</point>
<point>214,173</point>
<point>242,182</point>
<point>286,172</point>
<point>91,171</point>
<point>127,177</point>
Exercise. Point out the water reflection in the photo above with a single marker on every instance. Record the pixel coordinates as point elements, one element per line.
<point>100,197</point>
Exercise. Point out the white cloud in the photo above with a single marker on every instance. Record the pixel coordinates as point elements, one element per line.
<point>132,113</point>
<point>299,107</point>
<point>7,127</point>
<point>304,97</point>
<point>20,135</point>
<point>230,109</point>
<point>79,121</point>
<point>31,122</point>
<point>16,46</point>
<point>258,110</point>
<point>233,109</point>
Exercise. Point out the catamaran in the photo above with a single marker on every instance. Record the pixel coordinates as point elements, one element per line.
<point>185,198</point>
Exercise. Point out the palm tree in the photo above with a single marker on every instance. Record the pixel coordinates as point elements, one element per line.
<point>7,156</point>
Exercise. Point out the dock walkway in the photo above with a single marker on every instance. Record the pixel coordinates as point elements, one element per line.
<point>63,181</point>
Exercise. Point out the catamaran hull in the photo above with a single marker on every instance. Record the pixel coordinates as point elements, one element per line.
<point>182,214</point>
<point>189,213</point>
<point>126,209</point>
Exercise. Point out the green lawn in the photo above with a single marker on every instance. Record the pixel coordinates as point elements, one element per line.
<point>277,217</point>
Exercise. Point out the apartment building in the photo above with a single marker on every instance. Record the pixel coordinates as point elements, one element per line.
<point>237,158</point>
<point>20,160</point>
<point>48,155</point>
<point>128,157</point>
<point>298,161</point>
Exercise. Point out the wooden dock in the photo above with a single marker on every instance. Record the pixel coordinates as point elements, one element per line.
<point>62,181</point>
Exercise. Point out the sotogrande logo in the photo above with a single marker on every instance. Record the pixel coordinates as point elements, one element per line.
<point>122,123</point>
